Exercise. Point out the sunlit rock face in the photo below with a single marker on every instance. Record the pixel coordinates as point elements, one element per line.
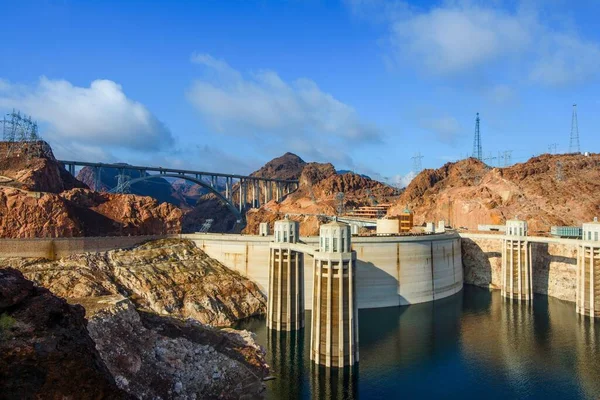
<point>169,277</point>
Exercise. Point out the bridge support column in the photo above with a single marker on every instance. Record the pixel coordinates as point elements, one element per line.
<point>334,325</point>
<point>285,307</point>
<point>517,275</point>
<point>97,178</point>
<point>588,279</point>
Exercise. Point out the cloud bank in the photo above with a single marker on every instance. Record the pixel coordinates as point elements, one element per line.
<point>93,118</point>
<point>454,38</point>
<point>261,104</point>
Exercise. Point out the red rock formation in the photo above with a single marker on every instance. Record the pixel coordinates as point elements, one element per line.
<point>319,185</point>
<point>81,212</point>
<point>45,349</point>
<point>35,169</point>
<point>468,193</point>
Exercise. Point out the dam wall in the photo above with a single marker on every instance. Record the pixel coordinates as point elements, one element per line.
<point>391,271</point>
<point>554,263</point>
<point>53,248</point>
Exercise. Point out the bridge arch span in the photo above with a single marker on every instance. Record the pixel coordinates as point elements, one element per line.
<point>205,185</point>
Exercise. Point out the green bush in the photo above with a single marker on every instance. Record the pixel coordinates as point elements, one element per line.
<point>6,322</point>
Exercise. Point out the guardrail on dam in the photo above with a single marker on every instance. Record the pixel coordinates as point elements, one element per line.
<point>391,270</point>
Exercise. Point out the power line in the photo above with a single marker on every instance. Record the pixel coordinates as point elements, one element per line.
<point>574,143</point>
<point>477,152</point>
<point>489,158</point>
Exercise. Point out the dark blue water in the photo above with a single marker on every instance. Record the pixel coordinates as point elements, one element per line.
<point>473,345</point>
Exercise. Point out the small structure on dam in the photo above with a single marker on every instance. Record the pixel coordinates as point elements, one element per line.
<point>516,262</point>
<point>285,308</point>
<point>588,271</point>
<point>334,335</point>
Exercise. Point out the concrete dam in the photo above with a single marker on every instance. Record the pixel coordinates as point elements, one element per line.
<point>390,270</point>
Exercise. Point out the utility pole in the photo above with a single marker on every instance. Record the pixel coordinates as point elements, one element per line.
<point>417,167</point>
<point>477,153</point>
<point>574,143</point>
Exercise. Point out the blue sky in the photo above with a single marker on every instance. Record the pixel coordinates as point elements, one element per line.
<point>364,84</point>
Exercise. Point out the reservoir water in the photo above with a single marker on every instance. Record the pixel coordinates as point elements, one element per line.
<point>473,345</point>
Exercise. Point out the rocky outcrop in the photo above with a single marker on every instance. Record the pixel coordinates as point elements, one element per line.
<point>288,166</point>
<point>319,185</point>
<point>546,190</point>
<point>554,265</point>
<point>32,167</point>
<point>157,357</point>
<point>169,277</point>
<point>81,212</point>
<point>45,349</point>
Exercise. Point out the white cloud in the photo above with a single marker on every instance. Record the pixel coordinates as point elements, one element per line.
<point>450,40</point>
<point>96,116</point>
<point>500,94</point>
<point>566,60</point>
<point>262,103</point>
<point>401,181</point>
<point>446,128</point>
<point>461,37</point>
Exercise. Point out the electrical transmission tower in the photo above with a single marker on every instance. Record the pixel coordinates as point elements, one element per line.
<point>489,158</point>
<point>477,152</point>
<point>18,131</point>
<point>574,144</point>
<point>505,157</point>
<point>340,206</point>
<point>552,148</point>
<point>417,167</point>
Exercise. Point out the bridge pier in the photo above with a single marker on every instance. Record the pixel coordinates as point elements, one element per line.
<point>285,308</point>
<point>517,275</point>
<point>334,325</point>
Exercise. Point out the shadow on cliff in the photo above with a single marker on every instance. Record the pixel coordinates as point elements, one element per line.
<point>541,266</point>
<point>477,269</point>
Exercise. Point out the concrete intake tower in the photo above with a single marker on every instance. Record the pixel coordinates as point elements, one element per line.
<point>588,271</point>
<point>516,262</point>
<point>285,307</point>
<point>334,335</point>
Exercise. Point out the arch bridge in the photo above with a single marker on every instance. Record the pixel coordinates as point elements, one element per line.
<point>237,192</point>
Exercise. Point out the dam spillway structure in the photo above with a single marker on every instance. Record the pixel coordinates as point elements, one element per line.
<point>517,281</point>
<point>588,271</point>
<point>334,324</point>
<point>285,307</point>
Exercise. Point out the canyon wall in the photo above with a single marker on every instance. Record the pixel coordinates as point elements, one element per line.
<point>554,264</point>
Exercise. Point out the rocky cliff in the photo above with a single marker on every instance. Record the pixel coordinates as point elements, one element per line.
<point>546,190</point>
<point>39,198</point>
<point>169,277</point>
<point>149,310</point>
<point>154,356</point>
<point>45,349</point>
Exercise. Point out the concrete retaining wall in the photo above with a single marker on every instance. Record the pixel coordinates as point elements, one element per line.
<point>554,263</point>
<point>63,247</point>
<point>391,271</point>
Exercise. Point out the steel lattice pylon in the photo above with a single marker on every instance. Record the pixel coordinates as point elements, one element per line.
<point>477,151</point>
<point>574,143</point>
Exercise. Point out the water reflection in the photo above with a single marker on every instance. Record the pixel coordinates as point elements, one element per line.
<point>472,345</point>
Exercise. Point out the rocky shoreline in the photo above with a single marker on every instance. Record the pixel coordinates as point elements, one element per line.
<point>152,313</point>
